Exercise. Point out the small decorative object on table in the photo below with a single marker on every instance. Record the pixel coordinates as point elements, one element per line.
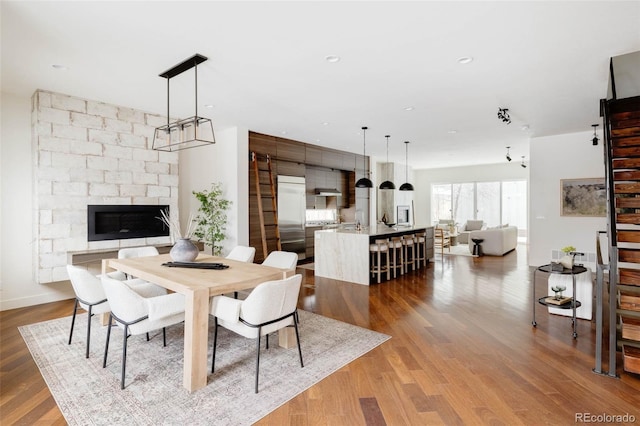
<point>183,250</point>
<point>569,257</point>
<point>558,291</point>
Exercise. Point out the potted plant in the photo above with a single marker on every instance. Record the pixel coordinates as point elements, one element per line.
<point>568,258</point>
<point>211,220</point>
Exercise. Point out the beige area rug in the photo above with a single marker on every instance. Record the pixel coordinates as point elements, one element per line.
<point>87,394</point>
<point>457,250</point>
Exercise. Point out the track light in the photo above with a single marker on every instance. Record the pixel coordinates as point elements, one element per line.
<point>595,136</point>
<point>503,114</point>
<point>508,155</point>
<point>524,166</point>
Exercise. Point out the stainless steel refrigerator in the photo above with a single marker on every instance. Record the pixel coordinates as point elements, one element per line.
<point>291,213</point>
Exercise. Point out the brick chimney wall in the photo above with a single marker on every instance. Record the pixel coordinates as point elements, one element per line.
<point>88,152</point>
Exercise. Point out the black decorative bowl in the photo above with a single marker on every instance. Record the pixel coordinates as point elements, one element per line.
<point>391,225</point>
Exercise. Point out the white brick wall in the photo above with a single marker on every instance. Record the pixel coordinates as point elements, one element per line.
<point>88,152</point>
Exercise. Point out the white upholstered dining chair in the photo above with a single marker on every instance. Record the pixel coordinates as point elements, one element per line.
<point>137,314</point>
<point>270,307</point>
<point>91,297</point>
<point>282,260</point>
<point>242,254</point>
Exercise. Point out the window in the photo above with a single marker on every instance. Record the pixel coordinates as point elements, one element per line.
<point>494,202</point>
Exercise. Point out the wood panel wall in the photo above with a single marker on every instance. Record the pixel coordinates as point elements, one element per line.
<point>322,168</point>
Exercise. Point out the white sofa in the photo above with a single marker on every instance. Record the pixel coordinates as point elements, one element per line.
<point>497,241</point>
<point>465,230</point>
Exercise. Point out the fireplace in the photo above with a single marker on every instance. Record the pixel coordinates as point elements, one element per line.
<point>119,222</point>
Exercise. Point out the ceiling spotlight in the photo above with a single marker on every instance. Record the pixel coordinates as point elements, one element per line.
<point>503,114</point>
<point>595,136</point>
<point>508,155</point>
<point>332,59</point>
<point>465,60</point>
<point>524,166</point>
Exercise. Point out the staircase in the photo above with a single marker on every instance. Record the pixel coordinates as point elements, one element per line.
<point>622,154</point>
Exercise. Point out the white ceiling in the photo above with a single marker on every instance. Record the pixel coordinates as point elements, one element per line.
<point>545,61</point>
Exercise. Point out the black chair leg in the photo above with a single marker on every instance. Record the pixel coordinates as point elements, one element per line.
<point>73,320</point>
<point>124,355</point>
<point>86,355</point>
<point>258,358</point>
<point>295,324</point>
<point>164,337</point>
<point>106,345</point>
<point>267,341</point>
<point>215,341</point>
<point>147,337</point>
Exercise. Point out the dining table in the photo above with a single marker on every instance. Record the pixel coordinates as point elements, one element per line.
<point>197,285</point>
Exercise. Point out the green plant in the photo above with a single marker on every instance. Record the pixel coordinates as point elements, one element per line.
<point>568,249</point>
<point>211,220</point>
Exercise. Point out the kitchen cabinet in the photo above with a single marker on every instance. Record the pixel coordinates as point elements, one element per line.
<point>332,159</point>
<point>309,239</point>
<point>290,151</point>
<point>313,156</point>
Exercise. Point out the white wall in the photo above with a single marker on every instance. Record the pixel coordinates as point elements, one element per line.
<point>226,162</point>
<point>18,286</point>
<point>569,156</point>
<point>484,173</point>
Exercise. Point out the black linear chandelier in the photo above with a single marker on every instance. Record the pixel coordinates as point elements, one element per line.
<point>508,156</point>
<point>190,132</point>
<point>387,184</point>
<point>594,141</point>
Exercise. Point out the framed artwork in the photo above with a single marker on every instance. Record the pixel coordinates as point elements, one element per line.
<point>583,197</point>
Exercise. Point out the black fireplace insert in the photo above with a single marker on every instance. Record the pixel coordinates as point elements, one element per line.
<point>119,222</point>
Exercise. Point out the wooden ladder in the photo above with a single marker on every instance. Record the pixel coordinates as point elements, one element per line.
<point>273,213</point>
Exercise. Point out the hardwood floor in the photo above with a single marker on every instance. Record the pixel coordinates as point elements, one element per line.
<point>463,351</point>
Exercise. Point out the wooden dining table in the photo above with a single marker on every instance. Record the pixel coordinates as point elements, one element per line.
<point>197,286</point>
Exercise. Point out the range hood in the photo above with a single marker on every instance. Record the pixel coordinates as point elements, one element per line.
<point>328,192</point>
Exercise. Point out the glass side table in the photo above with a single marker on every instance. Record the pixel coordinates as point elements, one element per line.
<point>573,304</point>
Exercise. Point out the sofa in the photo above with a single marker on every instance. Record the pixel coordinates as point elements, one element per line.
<point>497,241</point>
<point>470,225</point>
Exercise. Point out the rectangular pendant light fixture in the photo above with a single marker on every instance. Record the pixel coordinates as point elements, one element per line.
<point>189,132</point>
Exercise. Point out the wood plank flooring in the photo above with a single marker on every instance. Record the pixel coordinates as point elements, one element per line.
<point>463,351</point>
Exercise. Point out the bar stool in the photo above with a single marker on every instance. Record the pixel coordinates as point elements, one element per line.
<point>396,255</point>
<point>409,252</point>
<point>420,240</point>
<point>378,251</point>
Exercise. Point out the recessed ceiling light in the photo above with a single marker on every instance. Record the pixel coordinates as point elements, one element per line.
<point>208,106</point>
<point>332,58</point>
<point>465,60</point>
<point>325,123</point>
<point>284,132</point>
<point>452,132</point>
<point>409,108</point>
<point>317,140</point>
<point>59,67</point>
<point>525,127</point>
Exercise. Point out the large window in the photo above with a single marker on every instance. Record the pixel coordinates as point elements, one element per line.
<point>494,202</point>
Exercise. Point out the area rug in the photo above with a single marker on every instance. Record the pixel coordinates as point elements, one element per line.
<point>457,250</point>
<point>87,394</point>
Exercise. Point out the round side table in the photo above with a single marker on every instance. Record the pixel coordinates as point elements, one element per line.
<point>477,248</point>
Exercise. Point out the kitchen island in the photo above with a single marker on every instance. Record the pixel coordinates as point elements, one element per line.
<point>343,253</point>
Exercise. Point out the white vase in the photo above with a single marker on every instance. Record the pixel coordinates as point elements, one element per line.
<point>567,261</point>
<point>184,250</point>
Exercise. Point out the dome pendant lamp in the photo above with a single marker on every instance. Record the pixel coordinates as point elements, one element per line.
<point>364,182</point>
<point>406,186</point>
<point>387,184</point>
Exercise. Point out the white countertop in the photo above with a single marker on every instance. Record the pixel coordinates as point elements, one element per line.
<point>379,230</point>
